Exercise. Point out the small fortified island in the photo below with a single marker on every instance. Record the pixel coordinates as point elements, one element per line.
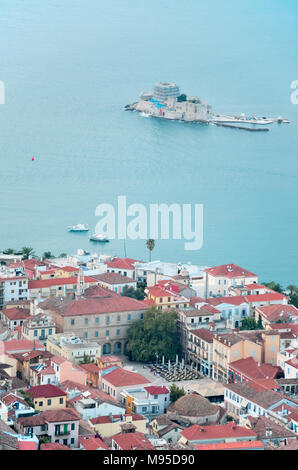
<point>167,102</point>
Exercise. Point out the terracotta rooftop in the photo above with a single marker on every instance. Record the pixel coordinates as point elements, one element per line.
<point>122,378</point>
<point>45,391</point>
<point>123,263</point>
<point>133,441</point>
<point>252,370</point>
<point>113,278</point>
<point>219,431</point>
<point>103,302</point>
<point>203,334</point>
<point>229,270</point>
<point>53,446</point>
<point>192,405</point>
<point>16,313</point>
<point>50,416</point>
<point>246,445</point>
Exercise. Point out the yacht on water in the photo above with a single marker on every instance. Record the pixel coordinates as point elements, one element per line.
<point>99,237</point>
<point>78,228</point>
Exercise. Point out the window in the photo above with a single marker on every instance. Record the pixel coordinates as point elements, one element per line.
<point>49,402</point>
<point>118,333</point>
<point>35,332</point>
<point>107,320</point>
<point>86,321</point>
<point>61,401</point>
<point>96,334</point>
<point>85,335</point>
<point>107,332</point>
<point>72,426</point>
<point>96,320</point>
<point>72,322</point>
<point>40,403</point>
<point>118,317</point>
<point>141,316</point>
<point>50,331</point>
<point>129,316</point>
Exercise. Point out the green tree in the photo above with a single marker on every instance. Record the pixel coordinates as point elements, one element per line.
<point>27,251</point>
<point>176,392</point>
<point>155,334</point>
<point>249,323</point>
<point>150,243</point>
<point>86,359</point>
<point>134,293</point>
<point>48,255</point>
<point>8,251</point>
<point>260,323</point>
<point>274,286</point>
<point>62,255</point>
<point>181,98</point>
<point>293,289</point>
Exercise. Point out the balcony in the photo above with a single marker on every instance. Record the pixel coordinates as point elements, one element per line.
<point>62,433</point>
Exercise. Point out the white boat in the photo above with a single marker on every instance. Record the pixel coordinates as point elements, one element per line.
<point>78,228</point>
<point>99,237</point>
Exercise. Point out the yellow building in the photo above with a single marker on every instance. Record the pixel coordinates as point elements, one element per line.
<point>259,344</point>
<point>47,397</point>
<point>108,426</point>
<point>164,299</point>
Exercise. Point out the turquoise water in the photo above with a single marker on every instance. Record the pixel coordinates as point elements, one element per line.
<point>69,68</point>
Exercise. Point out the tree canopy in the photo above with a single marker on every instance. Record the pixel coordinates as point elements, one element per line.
<point>134,293</point>
<point>176,392</point>
<point>155,334</point>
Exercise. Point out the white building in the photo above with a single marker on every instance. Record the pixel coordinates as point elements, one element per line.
<point>147,401</point>
<point>220,279</point>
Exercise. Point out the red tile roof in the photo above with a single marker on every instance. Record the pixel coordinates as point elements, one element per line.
<point>19,345</point>
<point>278,312</point>
<point>48,371</point>
<point>110,302</point>
<point>293,362</point>
<point>157,291</point>
<point>16,313</point>
<point>220,431</point>
<point>230,271</point>
<point>122,378</point>
<point>93,368</point>
<point>92,443</point>
<point>204,334</point>
<point>133,441</point>
<point>231,446</point>
<point>157,390</point>
<point>44,283</point>
<point>50,416</point>
<point>123,263</point>
<point>69,269</point>
<point>108,419</point>
<point>250,369</point>
<point>53,446</point>
<point>196,300</point>
<point>45,391</point>
<point>232,300</point>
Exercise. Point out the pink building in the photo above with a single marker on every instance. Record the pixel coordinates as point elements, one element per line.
<point>66,370</point>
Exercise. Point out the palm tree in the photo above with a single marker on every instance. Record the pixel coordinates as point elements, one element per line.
<point>150,243</point>
<point>293,289</point>
<point>27,251</point>
<point>8,251</point>
<point>48,255</point>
